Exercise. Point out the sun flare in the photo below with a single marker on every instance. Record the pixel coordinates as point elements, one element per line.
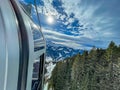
<point>50,19</point>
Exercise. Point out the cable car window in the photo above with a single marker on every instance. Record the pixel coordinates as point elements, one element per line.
<point>38,37</point>
<point>39,44</point>
<point>35,74</point>
<point>36,69</point>
<point>37,34</point>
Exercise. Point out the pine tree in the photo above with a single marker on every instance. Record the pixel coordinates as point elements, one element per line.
<point>98,69</point>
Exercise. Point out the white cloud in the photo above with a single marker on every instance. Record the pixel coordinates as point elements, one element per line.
<point>48,9</point>
<point>95,24</point>
<point>62,17</point>
<point>66,23</point>
<point>96,28</point>
<point>70,20</point>
<point>81,42</point>
<point>69,26</point>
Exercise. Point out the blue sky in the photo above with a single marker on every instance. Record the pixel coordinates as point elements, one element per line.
<point>80,23</point>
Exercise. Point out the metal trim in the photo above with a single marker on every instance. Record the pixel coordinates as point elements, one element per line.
<point>24,53</point>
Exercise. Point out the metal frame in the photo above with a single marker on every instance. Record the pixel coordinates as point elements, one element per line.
<point>9,47</point>
<point>17,48</point>
<point>26,62</point>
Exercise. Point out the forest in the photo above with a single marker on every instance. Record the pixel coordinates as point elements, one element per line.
<point>97,69</point>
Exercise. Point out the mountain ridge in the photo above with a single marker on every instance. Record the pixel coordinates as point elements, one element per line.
<point>59,52</point>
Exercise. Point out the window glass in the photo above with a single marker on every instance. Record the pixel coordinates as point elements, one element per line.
<point>28,8</point>
<point>38,37</point>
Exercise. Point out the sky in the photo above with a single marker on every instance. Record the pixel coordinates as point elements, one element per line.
<point>80,24</point>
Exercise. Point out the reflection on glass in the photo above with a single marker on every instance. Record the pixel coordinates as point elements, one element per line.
<point>35,75</point>
<point>38,37</point>
<point>38,41</point>
<point>36,69</point>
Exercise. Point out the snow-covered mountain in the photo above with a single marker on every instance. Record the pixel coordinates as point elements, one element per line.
<point>55,53</point>
<point>60,52</point>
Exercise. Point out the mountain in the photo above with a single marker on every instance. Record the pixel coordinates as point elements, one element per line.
<point>56,52</point>
<point>60,52</point>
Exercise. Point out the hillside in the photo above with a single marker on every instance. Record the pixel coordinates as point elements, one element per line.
<point>98,69</point>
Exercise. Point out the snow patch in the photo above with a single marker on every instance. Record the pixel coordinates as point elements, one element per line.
<point>49,66</point>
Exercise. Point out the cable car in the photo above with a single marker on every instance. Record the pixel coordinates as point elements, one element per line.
<point>22,49</point>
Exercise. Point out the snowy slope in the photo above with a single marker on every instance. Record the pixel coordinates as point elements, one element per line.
<point>49,67</point>
<point>59,52</point>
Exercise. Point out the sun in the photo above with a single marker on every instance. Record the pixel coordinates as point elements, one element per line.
<point>50,19</point>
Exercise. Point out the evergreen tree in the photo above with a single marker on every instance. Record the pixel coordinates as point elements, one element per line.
<point>98,69</point>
